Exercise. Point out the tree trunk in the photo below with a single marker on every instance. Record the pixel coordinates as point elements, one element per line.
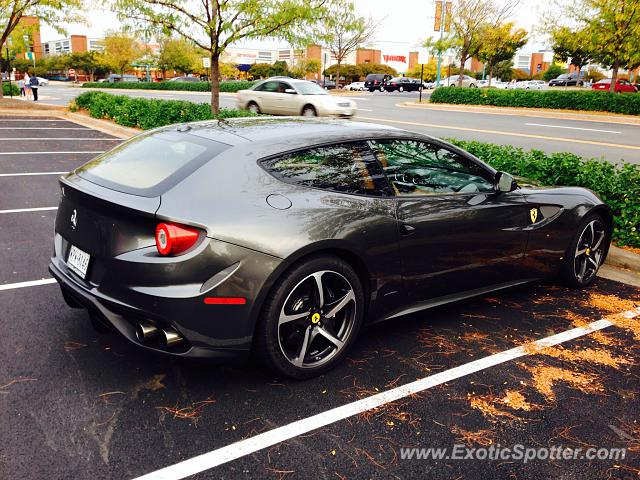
<point>614,76</point>
<point>215,83</point>
<point>2,85</point>
<point>490,75</point>
<point>463,60</point>
<point>338,75</point>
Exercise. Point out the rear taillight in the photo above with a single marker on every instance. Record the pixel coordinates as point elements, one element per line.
<point>173,239</point>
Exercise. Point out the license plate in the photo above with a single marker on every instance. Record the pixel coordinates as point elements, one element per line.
<point>78,261</point>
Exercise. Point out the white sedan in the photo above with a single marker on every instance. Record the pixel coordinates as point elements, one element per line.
<point>294,97</point>
<point>355,86</point>
<point>43,82</point>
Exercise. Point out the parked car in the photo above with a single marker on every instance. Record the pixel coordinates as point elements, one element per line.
<point>326,84</point>
<point>121,78</point>
<point>499,84</point>
<point>284,236</point>
<point>452,81</point>
<point>429,85</point>
<point>184,79</point>
<point>568,80</point>
<point>401,84</point>
<point>43,82</point>
<point>294,97</point>
<point>374,81</point>
<point>535,85</point>
<point>622,86</point>
<point>355,86</point>
<point>482,83</point>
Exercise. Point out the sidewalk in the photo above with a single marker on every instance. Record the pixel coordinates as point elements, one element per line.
<point>602,117</point>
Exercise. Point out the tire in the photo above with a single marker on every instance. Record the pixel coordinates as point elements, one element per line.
<point>586,249</point>
<point>309,111</point>
<point>382,89</point>
<point>401,89</point>
<point>472,85</point>
<point>278,344</point>
<point>253,107</point>
<point>371,90</point>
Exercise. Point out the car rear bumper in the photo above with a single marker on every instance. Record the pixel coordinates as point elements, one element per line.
<point>123,318</point>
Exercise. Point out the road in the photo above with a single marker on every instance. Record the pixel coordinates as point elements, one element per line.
<point>82,405</point>
<point>613,142</point>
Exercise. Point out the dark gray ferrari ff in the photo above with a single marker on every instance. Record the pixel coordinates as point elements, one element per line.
<point>282,236</point>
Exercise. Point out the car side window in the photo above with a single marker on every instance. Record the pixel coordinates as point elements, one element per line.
<point>415,167</point>
<point>271,86</point>
<point>346,168</point>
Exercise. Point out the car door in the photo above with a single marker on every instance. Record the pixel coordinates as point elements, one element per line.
<point>456,233</point>
<point>290,101</point>
<point>266,95</point>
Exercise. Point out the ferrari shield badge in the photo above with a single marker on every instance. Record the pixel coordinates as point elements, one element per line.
<point>534,214</point>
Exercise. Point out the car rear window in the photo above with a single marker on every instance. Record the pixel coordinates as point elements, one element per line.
<point>149,165</point>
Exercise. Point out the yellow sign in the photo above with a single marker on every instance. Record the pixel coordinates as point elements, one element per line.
<point>534,214</point>
<point>315,318</point>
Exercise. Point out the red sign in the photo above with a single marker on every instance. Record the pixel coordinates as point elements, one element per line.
<point>72,71</point>
<point>395,58</point>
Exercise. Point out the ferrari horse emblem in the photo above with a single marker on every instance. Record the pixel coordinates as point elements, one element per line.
<point>534,214</point>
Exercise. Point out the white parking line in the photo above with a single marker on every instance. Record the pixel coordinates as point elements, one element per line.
<point>570,128</point>
<point>45,153</point>
<point>32,283</point>
<point>44,128</point>
<point>29,174</point>
<point>24,210</point>
<point>269,438</point>
<point>32,120</point>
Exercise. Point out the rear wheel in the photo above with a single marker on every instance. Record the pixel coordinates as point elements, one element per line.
<point>586,253</point>
<point>309,111</point>
<point>253,107</point>
<point>401,89</point>
<point>382,89</point>
<point>311,318</point>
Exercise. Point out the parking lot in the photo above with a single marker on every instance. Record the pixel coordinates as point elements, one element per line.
<point>78,404</point>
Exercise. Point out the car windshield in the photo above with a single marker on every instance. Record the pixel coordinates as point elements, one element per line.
<point>604,80</point>
<point>150,164</point>
<point>309,88</point>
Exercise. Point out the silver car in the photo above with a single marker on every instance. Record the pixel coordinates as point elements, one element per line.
<point>294,97</point>
<point>452,81</point>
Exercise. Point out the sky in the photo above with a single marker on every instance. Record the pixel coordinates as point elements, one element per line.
<point>403,22</point>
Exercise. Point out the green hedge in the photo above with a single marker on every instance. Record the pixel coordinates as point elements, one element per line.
<point>627,103</point>
<point>182,86</point>
<point>14,89</point>
<point>616,184</point>
<point>147,113</point>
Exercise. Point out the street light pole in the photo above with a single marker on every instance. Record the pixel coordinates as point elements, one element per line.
<point>442,20</point>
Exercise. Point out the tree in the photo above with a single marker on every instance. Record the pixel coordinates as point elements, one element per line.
<point>120,51</point>
<point>504,70</point>
<point>213,25</point>
<point>304,67</point>
<point>228,70</point>
<point>348,71</point>
<point>612,28</point>
<point>368,68</point>
<point>468,18</point>
<point>88,62</point>
<point>554,71</point>
<point>177,54</point>
<point>344,31</point>
<point>430,70</point>
<point>51,12</point>
<point>279,68</point>
<point>499,43</point>
<point>260,70</point>
<point>573,46</point>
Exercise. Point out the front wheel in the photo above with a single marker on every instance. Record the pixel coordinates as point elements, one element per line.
<point>401,89</point>
<point>311,318</point>
<point>309,111</point>
<point>586,252</point>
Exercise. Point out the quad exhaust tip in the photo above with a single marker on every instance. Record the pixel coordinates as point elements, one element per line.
<point>145,331</point>
<point>169,338</point>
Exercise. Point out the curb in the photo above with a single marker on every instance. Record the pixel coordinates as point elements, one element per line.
<point>115,91</point>
<point>104,126</point>
<point>621,258</point>
<point>528,112</point>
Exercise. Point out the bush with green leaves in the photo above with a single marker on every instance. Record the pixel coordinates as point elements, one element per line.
<point>589,100</point>
<point>14,89</point>
<point>177,86</point>
<point>147,113</point>
<point>616,184</point>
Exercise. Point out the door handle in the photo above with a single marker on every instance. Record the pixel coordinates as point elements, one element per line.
<point>406,229</point>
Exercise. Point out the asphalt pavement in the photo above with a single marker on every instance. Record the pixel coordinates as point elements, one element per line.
<point>600,139</point>
<point>78,404</point>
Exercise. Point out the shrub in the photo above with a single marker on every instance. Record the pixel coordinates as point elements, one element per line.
<point>616,184</point>
<point>148,113</point>
<point>589,100</point>
<point>554,71</point>
<point>14,89</point>
<point>177,86</point>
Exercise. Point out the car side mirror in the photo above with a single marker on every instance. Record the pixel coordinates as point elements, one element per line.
<point>290,91</point>
<point>504,182</point>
